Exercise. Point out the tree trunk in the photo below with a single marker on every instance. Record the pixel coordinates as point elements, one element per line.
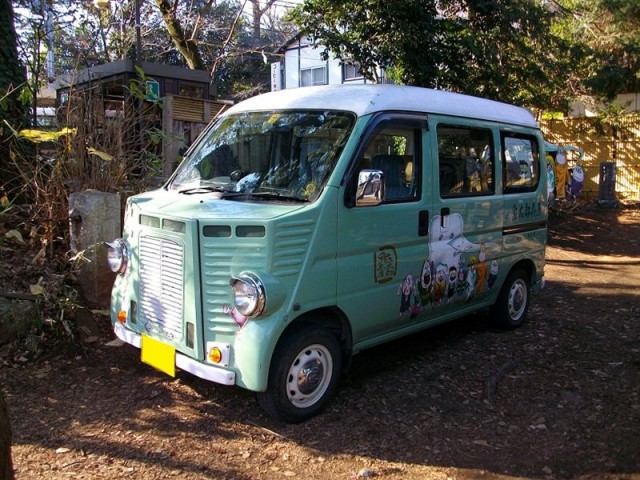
<point>188,48</point>
<point>12,79</point>
<point>6,467</point>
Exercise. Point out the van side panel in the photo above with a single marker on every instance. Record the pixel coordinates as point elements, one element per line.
<point>465,235</point>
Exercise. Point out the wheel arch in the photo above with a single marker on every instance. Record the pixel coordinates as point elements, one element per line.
<point>527,265</point>
<point>331,318</point>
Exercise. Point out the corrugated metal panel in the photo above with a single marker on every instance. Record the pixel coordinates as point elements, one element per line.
<point>196,110</point>
<point>188,109</point>
<point>215,108</point>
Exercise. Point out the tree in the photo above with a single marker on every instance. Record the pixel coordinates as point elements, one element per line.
<point>500,49</point>
<point>186,45</point>
<point>6,467</point>
<point>12,81</point>
<point>12,74</point>
<point>608,32</point>
<point>225,37</point>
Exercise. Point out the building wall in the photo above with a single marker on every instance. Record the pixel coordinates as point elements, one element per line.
<point>629,101</point>
<point>301,55</point>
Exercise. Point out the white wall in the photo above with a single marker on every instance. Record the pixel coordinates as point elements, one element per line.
<point>300,55</point>
<point>630,102</point>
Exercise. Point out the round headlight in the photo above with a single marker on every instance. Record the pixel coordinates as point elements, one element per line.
<point>117,255</point>
<point>248,294</point>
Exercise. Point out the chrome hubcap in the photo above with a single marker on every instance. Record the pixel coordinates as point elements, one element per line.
<point>309,376</point>
<point>517,299</point>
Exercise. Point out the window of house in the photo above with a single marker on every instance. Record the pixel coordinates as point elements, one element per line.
<point>313,76</point>
<point>193,91</point>
<point>351,71</point>
<point>465,161</point>
<point>520,162</point>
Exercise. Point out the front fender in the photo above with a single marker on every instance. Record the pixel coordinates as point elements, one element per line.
<point>253,348</point>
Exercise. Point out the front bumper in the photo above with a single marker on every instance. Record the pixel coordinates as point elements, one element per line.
<point>206,372</point>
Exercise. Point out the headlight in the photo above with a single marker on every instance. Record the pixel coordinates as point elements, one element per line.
<point>117,255</point>
<point>248,294</point>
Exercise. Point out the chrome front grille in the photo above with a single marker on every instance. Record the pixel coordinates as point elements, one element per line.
<point>161,285</point>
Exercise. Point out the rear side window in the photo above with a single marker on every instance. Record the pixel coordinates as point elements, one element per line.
<point>521,162</point>
<point>465,161</point>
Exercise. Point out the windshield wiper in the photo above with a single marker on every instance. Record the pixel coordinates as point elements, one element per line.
<point>201,189</point>
<point>278,196</point>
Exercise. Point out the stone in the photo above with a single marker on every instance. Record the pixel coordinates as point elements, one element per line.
<point>16,318</point>
<point>94,218</point>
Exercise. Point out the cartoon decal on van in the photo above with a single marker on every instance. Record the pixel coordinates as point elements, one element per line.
<point>456,269</point>
<point>385,264</point>
<point>233,312</point>
<point>408,292</point>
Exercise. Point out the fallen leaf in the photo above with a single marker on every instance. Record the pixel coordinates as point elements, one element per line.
<point>482,443</point>
<point>36,289</point>
<point>39,255</point>
<point>103,155</point>
<point>15,234</point>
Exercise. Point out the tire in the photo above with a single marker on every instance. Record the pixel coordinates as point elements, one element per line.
<point>512,304</point>
<point>304,373</point>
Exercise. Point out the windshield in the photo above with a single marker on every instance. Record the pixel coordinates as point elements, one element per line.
<point>273,155</point>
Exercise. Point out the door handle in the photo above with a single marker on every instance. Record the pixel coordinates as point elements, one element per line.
<point>423,223</point>
<point>444,211</point>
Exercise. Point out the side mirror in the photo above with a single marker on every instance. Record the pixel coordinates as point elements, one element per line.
<point>371,188</point>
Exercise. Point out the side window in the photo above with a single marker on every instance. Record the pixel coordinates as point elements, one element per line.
<point>465,161</point>
<point>521,162</point>
<point>390,164</point>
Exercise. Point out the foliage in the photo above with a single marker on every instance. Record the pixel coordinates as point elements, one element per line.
<point>608,33</point>
<point>235,45</point>
<point>230,38</point>
<point>540,54</point>
<point>5,203</point>
<point>111,149</point>
<point>500,49</point>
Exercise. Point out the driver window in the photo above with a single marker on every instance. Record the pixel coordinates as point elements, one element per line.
<point>389,167</point>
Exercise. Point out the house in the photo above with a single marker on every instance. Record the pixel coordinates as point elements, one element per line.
<point>94,98</point>
<point>302,65</point>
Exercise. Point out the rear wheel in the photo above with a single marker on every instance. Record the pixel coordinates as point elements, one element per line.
<point>304,373</point>
<point>510,309</point>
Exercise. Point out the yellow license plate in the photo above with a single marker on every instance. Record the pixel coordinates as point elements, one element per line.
<point>159,355</point>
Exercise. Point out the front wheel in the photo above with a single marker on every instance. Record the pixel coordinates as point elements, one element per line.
<point>304,373</point>
<point>512,304</point>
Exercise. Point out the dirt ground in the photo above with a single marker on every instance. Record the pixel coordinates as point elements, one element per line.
<point>557,398</point>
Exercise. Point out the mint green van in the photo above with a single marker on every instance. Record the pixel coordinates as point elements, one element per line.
<point>309,224</point>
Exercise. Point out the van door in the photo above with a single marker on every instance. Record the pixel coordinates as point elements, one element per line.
<point>382,227</point>
<point>465,231</point>
<point>524,191</point>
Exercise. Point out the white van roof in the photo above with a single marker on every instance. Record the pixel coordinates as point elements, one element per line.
<point>369,98</point>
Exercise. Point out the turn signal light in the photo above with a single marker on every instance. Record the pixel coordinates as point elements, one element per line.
<point>122,316</point>
<point>215,355</point>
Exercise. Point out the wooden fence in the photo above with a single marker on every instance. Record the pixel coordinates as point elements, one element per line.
<point>602,142</point>
<point>183,119</point>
